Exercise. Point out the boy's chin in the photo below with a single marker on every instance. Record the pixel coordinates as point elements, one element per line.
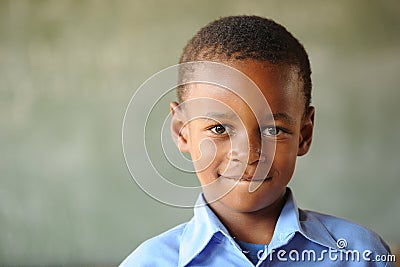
<point>246,204</point>
<point>240,199</point>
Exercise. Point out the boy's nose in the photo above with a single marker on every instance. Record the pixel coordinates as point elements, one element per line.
<point>253,155</point>
<point>247,151</point>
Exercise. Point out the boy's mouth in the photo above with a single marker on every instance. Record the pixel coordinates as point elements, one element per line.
<point>246,178</point>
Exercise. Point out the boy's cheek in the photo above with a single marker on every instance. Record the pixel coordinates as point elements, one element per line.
<point>287,148</point>
<point>205,150</point>
<point>285,159</point>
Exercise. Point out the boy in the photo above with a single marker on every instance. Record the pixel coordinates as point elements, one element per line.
<point>246,215</point>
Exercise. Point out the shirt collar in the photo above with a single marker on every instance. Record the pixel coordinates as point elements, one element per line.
<point>205,225</point>
<point>294,220</point>
<point>199,231</point>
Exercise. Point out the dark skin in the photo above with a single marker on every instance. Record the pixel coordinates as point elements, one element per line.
<point>249,216</point>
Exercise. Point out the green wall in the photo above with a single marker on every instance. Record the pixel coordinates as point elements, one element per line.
<point>69,68</point>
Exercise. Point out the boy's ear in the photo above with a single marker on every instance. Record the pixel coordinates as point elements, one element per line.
<point>306,132</point>
<point>179,130</point>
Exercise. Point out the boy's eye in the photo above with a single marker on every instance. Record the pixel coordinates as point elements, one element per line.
<point>271,131</point>
<point>218,129</point>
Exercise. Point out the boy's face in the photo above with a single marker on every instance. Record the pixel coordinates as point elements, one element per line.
<point>232,146</point>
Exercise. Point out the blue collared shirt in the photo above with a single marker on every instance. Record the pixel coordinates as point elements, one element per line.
<point>301,238</point>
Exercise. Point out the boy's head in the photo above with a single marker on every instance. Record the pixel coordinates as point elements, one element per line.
<point>248,37</point>
<point>232,141</point>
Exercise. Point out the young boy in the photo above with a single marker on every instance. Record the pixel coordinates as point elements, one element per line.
<point>252,146</point>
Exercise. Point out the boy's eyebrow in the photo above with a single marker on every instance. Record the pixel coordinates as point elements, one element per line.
<point>230,115</point>
<point>285,117</point>
<point>221,115</point>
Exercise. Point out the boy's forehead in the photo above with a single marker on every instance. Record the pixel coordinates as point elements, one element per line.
<point>213,101</point>
<point>257,84</point>
<point>241,76</point>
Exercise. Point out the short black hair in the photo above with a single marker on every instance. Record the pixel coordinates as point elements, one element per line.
<point>248,37</point>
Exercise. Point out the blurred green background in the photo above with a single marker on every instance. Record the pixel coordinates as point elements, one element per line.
<point>69,68</point>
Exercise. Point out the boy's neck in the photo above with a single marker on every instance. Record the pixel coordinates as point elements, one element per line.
<point>252,227</point>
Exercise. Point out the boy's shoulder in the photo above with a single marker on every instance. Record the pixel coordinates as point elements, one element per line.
<point>348,234</point>
<point>331,232</point>
<point>147,253</point>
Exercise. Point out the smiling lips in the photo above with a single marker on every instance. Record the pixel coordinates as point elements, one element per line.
<point>246,178</point>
